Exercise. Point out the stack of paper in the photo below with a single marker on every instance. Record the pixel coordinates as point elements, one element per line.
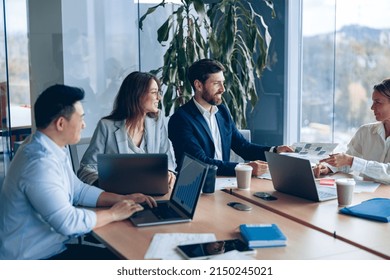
<point>262,235</point>
<point>374,209</point>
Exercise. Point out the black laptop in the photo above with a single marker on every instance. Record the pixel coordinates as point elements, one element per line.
<point>133,173</point>
<point>184,198</point>
<point>294,176</point>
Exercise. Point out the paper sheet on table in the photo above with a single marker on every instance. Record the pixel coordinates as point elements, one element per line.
<point>163,245</point>
<point>365,186</point>
<point>223,183</point>
<point>265,175</point>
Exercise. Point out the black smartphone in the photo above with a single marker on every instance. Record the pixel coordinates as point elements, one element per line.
<point>265,196</point>
<point>208,249</point>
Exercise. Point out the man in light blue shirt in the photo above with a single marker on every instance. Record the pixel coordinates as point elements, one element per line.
<point>40,197</point>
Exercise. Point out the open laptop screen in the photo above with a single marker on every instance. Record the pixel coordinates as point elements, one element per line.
<point>294,176</point>
<point>133,173</point>
<point>188,185</point>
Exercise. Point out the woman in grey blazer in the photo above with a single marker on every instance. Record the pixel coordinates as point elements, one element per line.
<point>135,125</point>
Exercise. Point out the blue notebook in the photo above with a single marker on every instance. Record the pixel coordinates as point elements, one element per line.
<point>377,209</point>
<point>262,235</point>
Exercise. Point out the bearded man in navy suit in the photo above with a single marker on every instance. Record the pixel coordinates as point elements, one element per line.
<point>204,128</point>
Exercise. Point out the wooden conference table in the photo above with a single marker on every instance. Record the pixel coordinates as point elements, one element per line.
<point>371,236</point>
<point>214,216</point>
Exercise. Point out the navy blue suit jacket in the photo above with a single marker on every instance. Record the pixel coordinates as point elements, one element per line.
<point>189,133</point>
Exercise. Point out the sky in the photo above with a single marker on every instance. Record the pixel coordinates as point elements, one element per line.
<point>16,15</point>
<point>319,15</point>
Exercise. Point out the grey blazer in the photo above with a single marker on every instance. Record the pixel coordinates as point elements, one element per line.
<point>110,137</point>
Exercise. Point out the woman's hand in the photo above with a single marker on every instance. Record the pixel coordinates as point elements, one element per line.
<point>339,160</point>
<point>171,179</point>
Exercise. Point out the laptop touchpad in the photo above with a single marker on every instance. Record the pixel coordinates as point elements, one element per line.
<point>146,214</point>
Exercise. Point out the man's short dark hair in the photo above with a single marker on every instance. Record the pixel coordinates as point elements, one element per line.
<point>202,69</point>
<point>54,102</point>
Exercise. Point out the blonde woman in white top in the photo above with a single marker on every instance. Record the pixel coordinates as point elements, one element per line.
<point>368,151</point>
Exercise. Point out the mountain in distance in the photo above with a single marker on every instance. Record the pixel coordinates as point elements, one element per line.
<point>340,69</point>
<point>365,34</point>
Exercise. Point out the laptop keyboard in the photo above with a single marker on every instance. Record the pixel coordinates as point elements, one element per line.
<point>165,212</point>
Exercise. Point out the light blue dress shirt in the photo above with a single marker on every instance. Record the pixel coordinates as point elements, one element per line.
<point>37,202</point>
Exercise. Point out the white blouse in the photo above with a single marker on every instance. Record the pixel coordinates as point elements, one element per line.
<point>371,152</point>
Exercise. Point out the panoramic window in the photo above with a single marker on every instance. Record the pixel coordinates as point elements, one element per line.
<point>345,53</point>
<point>14,79</point>
<point>18,69</point>
<point>101,45</point>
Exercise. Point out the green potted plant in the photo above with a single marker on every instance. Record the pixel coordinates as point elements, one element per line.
<point>229,31</point>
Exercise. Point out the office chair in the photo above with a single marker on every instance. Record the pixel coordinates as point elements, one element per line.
<point>77,151</point>
<point>233,156</point>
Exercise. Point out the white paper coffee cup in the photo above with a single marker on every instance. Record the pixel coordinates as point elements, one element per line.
<point>345,189</point>
<point>243,175</point>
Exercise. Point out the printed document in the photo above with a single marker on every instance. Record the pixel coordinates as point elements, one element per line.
<point>312,151</point>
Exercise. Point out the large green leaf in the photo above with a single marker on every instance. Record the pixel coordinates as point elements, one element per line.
<point>148,12</point>
<point>168,99</point>
<point>228,33</point>
<point>199,8</point>
<point>163,31</point>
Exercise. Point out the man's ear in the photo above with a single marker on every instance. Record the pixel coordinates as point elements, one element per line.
<point>198,85</point>
<point>59,123</point>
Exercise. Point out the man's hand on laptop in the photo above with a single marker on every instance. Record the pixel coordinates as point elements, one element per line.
<point>259,167</point>
<point>124,209</point>
<point>141,198</point>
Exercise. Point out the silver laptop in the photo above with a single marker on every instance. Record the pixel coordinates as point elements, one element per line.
<point>133,173</point>
<point>184,198</point>
<point>295,176</point>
